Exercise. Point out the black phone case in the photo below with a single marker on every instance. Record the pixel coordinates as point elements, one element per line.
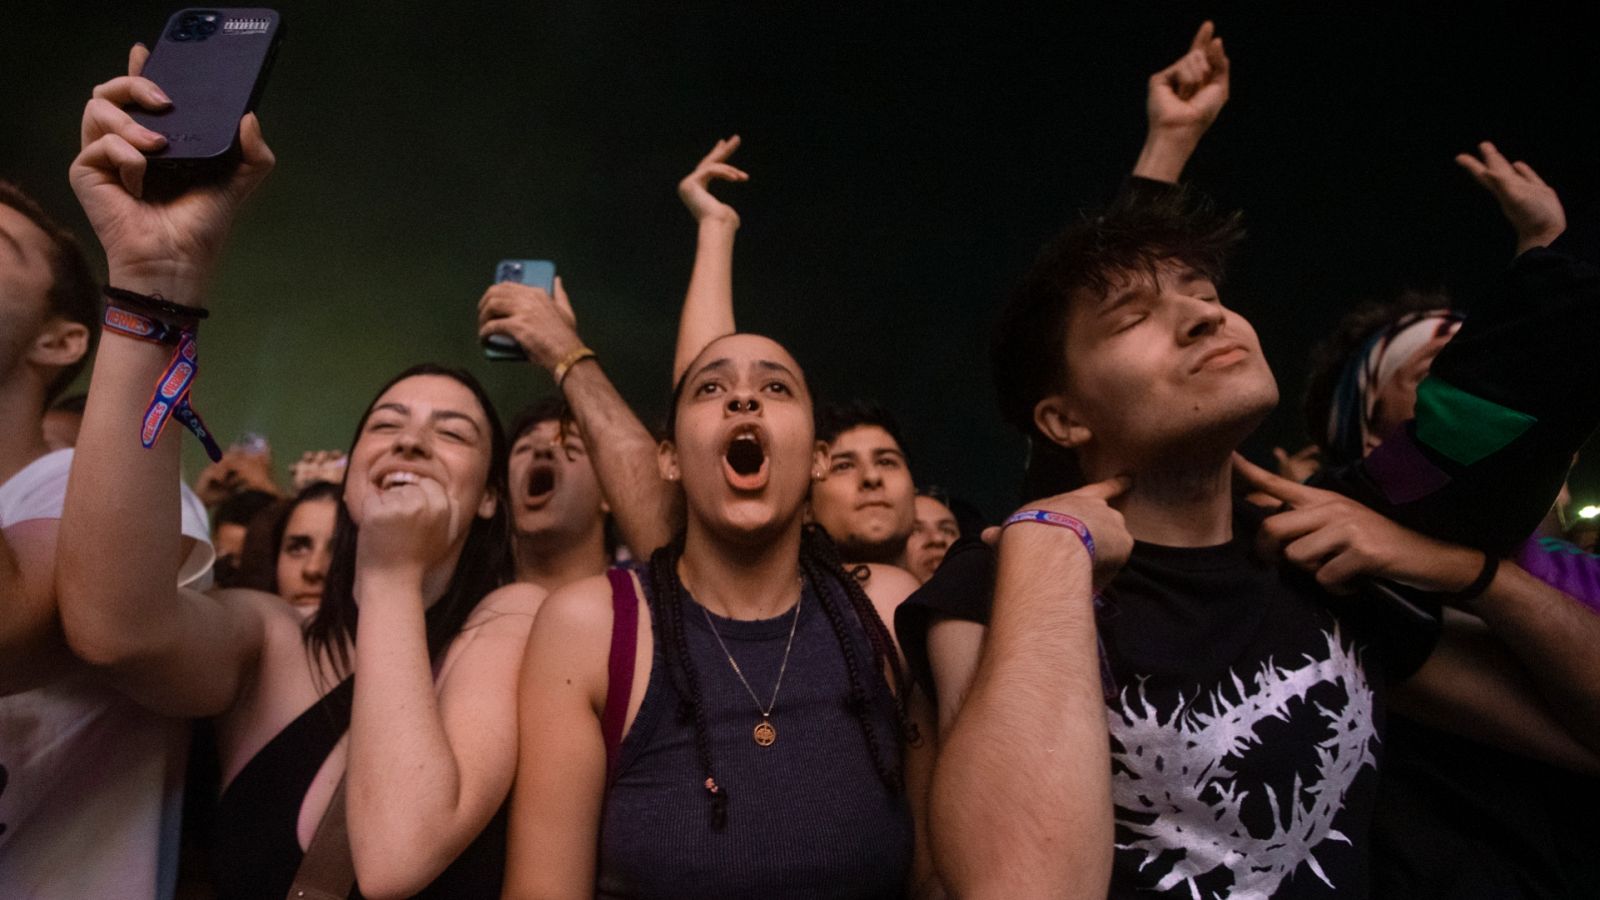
<point>213,63</point>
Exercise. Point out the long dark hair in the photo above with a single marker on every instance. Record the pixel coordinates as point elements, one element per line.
<point>826,576</point>
<point>485,562</point>
<point>263,541</point>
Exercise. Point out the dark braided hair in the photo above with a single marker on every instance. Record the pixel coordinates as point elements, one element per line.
<point>819,564</point>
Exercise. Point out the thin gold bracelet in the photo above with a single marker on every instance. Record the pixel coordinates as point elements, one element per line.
<point>573,358</point>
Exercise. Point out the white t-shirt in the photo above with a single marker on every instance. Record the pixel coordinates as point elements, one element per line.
<point>91,785</point>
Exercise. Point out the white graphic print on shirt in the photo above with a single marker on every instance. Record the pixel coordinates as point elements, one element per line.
<point>1177,787</point>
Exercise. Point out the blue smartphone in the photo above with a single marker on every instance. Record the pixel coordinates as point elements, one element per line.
<point>539,273</point>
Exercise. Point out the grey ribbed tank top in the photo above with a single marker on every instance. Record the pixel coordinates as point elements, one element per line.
<point>808,817</point>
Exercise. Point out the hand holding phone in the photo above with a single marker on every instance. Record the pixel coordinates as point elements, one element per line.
<point>528,309</point>
<point>213,64</point>
<point>165,244</point>
<point>537,273</point>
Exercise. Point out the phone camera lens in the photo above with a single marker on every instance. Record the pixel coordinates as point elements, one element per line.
<point>206,26</point>
<point>182,33</point>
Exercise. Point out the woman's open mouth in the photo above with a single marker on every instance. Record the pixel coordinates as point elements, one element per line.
<point>744,460</point>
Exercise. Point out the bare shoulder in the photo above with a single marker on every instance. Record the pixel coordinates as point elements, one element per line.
<point>577,611</point>
<point>271,613</point>
<point>511,606</point>
<point>571,638</point>
<point>888,587</point>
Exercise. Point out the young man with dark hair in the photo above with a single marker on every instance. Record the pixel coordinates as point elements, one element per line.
<point>1245,701</point>
<point>865,499</point>
<point>569,484</point>
<point>559,514</point>
<point>80,765</point>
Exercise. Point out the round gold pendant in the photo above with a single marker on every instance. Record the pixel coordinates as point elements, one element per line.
<point>765,734</point>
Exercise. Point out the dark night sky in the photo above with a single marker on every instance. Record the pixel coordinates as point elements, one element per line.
<point>907,160</point>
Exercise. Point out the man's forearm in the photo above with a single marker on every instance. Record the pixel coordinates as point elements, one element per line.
<point>624,456</point>
<point>1164,155</point>
<point>1021,802</point>
<point>1557,641</point>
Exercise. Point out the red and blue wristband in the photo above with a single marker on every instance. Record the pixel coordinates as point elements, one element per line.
<point>1060,520</point>
<point>171,397</point>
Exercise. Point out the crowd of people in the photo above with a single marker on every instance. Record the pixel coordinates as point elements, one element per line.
<point>748,652</point>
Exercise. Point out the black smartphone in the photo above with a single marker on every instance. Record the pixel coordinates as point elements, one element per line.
<point>213,63</point>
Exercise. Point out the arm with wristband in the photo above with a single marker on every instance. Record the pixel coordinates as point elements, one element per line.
<point>1021,798</point>
<point>1535,690</point>
<point>176,651</point>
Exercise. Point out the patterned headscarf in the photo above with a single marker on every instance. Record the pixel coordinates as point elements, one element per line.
<point>1355,397</point>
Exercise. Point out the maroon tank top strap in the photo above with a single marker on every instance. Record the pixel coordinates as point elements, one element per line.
<point>624,643</point>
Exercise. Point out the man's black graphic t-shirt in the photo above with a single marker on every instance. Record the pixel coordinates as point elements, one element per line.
<point>1246,716</point>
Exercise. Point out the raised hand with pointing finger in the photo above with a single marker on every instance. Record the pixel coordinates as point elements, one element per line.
<point>1339,541</point>
<point>1182,101</point>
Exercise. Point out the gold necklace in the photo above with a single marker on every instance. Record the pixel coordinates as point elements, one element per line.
<point>765,734</point>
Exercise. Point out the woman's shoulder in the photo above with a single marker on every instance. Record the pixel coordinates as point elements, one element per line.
<point>887,586</point>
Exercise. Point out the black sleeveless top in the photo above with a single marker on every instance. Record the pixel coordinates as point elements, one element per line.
<point>256,849</point>
<point>808,817</point>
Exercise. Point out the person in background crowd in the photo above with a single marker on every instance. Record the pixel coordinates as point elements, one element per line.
<point>230,530</point>
<point>936,529</point>
<point>866,501</point>
<point>1455,817</point>
<point>62,420</point>
<point>559,514</point>
<point>289,546</point>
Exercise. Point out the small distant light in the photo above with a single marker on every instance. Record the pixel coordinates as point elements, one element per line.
<point>1589,512</point>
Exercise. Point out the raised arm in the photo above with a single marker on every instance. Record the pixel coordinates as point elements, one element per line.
<point>1182,102</point>
<point>623,451</point>
<point>708,306</point>
<point>1021,800</point>
<point>175,651</point>
<point>1532,207</point>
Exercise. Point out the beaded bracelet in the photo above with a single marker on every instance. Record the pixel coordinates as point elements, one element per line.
<point>1060,520</point>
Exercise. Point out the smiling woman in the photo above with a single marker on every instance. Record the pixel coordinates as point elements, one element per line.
<point>408,666</point>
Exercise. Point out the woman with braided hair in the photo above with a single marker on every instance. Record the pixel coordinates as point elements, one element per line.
<point>732,719</point>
